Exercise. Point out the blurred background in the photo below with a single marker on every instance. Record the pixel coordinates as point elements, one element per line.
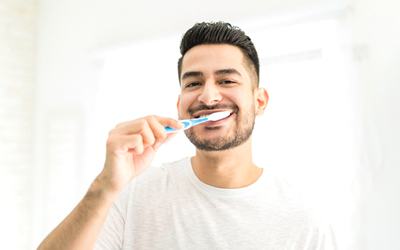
<point>71,70</point>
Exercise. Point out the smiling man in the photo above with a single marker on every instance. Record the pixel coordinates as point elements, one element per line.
<point>217,199</point>
<point>215,78</point>
<point>220,77</point>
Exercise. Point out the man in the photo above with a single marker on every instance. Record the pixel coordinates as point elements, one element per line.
<point>218,199</point>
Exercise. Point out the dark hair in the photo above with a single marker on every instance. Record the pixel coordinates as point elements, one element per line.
<point>219,33</point>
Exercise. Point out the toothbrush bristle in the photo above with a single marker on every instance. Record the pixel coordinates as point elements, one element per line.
<point>219,115</point>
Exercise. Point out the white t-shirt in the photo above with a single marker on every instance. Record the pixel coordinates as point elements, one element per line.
<point>168,207</point>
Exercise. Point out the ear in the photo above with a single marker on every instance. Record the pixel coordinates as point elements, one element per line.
<point>261,101</point>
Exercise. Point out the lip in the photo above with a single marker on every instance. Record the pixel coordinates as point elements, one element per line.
<point>211,111</point>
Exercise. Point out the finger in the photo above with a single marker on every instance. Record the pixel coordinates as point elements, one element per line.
<point>125,143</point>
<point>123,124</point>
<point>169,136</point>
<point>169,122</point>
<point>157,128</point>
<point>132,127</point>
<point>147,134</point>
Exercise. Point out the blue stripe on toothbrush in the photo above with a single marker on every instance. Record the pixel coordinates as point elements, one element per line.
<point>187,123</point>
<point>199,120</point>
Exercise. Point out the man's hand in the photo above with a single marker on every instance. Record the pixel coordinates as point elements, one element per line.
<point>131,147</point>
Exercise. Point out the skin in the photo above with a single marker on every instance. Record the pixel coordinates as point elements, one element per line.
<point>132,145</point>
<point>203,84</point>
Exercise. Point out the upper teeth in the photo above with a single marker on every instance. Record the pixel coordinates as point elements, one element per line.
<point>203,115</point>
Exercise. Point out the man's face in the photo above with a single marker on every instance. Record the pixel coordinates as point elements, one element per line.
<point>217,78</point>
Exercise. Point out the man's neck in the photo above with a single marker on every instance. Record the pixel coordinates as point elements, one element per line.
<point>232,168</point>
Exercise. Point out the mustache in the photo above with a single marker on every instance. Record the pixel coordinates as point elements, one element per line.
<point>202,107</point>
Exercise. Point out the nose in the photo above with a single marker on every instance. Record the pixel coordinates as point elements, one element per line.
<point>210,94</point>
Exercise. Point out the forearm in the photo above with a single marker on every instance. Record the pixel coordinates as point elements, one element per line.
<point>82,226</point>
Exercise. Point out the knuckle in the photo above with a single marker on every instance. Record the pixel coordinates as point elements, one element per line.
<point>155,116</point>
<point>142,123</point>
<point>152,118</point>
<point>149,117</point>
<point>139,126</point>
<point>110,142</point>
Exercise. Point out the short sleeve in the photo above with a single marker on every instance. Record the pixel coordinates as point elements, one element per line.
<point>112,233</point>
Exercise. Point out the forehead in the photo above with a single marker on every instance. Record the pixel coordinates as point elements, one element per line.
<point>210,57</point>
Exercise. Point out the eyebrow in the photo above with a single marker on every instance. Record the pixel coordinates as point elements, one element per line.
<point>218,72</point>
<point>191,74</point>
<point>227,72</point>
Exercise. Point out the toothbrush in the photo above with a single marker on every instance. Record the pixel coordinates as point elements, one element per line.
<point>196,121</point>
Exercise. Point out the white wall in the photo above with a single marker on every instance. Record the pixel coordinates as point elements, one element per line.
<point>70,32</point>
<point>376,27</point>
<point>17,75</point>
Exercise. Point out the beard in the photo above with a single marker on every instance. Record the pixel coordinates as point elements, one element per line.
<point>243,128</point>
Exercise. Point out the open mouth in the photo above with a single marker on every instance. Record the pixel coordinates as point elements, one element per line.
<point>217,124</point>
<point>209,112</point>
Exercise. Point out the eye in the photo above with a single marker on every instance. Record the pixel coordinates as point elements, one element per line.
<point>226,82</point>
<point>192,84</point>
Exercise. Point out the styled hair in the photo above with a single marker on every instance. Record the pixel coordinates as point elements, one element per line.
<point>219,33</point>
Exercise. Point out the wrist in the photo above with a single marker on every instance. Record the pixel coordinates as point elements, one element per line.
<point>99,189</point>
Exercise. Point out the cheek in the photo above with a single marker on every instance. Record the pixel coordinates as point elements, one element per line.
<point>239,99</point>
<point>245,103</point>
<point>185,101</point>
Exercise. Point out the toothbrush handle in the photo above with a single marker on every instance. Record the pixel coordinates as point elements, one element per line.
<point>185,123</point>
<point>169,130</point>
